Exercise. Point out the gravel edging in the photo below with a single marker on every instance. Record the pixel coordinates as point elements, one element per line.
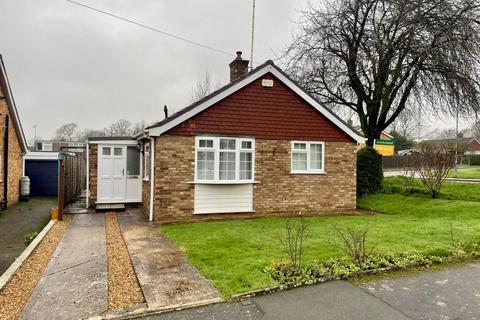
<point>124,290</point>
<point>17,291</point>
<point>10,272</point>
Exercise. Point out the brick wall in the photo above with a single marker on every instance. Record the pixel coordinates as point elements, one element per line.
<point>15,157</point>
<point>93,164</point>
<point>277,193</point>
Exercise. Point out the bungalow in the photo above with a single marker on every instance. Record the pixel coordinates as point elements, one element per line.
<point>13,145</point>
<point>260,146</point>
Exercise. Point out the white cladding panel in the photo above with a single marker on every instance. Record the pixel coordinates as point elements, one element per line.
<point>223,198</point>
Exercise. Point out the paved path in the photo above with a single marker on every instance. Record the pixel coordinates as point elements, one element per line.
<point>165,275</point>
<point>26,217</point>
<point>74,284</point>
<point>452,293</point>
<point>329,301</point>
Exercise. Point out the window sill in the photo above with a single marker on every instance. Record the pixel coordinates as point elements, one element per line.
<point>224,182</point>
<point>309,172</point>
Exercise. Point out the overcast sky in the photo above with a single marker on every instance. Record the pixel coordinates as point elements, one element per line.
<point>69,64</point>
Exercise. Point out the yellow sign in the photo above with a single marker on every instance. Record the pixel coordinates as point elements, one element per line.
<point>385,147</point>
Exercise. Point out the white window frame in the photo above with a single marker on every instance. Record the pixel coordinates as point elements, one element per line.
<point>47,146</point>
<point>309,169</point>
<point>216,150</point>
<point>146,157</point>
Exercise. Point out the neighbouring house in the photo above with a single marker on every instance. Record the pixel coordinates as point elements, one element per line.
<point>57,146</point>
<point>13,145</point>
<point>260,146</point>
<point>467,146</point>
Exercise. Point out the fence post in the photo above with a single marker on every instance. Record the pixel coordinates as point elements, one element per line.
<point>61,190</point>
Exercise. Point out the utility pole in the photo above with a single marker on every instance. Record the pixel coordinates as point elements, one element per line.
<point>253,36</point>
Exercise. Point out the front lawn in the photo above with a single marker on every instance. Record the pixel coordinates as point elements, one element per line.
<point>232,254</point>
<point>467,173</point>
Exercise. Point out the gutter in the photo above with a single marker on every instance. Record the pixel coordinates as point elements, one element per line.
<point>152,177</point>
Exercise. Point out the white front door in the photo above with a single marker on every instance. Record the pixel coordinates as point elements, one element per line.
<point>112,164</point>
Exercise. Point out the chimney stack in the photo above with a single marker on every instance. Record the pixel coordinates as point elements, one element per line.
<point>238,67</point>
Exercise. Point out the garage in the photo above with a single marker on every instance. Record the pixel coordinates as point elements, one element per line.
<point>42,169</point>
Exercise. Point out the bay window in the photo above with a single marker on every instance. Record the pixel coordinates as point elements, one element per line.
<point>308,157</point>
<point>224,159</point>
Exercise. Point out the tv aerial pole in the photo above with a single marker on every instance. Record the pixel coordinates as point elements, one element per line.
<point>253,35</point>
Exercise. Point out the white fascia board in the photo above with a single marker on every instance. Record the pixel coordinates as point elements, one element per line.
<point>41,155</point>
<point>267,69</point>
<point>115,142</point>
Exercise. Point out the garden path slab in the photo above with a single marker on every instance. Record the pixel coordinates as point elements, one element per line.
<point>166,277</point>
<point>74,284</point>
<point>452,293</point>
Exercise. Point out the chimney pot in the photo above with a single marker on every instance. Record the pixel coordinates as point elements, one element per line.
<point>238,67</point>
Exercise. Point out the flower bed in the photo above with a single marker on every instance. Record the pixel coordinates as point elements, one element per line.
<point>284,271</point>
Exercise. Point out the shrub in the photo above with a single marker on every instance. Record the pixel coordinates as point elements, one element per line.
<point>369,171</point>
<point>343,267</point>
<point>292,240</point>
<point>353,241</point>
<point>433,165</point>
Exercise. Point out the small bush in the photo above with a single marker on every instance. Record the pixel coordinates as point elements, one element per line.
<point>29,237</point>
<point>292,240</point>
<point>353,241</point>
<point>369,171</point>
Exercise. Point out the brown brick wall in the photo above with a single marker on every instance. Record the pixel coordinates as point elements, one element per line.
<point>277,193</point>
<point>93,164</point>
<point>15,157</point>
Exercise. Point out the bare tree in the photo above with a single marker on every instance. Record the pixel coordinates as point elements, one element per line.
<point>204,86</point>
<point>433,165</point>
<point>119,128</point>
<point>476,129</point>
<point>406,123</point>
<point>66,132</point>
<point>138,127</point>
<point>376,57</point>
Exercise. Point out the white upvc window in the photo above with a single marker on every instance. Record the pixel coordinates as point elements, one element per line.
<point>308,157</point>
<point>224,159</point>
<point>146,161</point>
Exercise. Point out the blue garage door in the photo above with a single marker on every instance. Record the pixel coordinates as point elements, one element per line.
<point>43,176</point>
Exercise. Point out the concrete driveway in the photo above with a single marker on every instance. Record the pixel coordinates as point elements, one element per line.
<point>452,293</point>
<point>16,222</point>
<point>74,284</point>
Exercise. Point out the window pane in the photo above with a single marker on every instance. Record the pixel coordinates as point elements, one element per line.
<point>246,144</point>
<point>245,165</point>
<point>300,146</point>
<point>227,166</point>
<point>117,151</point>
<point>205,165</point>
<point>206,144</point>
<point>133,161</point>
<point>106,151</point>
<point>299,161</point>
<point>227,144</point>
<point>316,156</point>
